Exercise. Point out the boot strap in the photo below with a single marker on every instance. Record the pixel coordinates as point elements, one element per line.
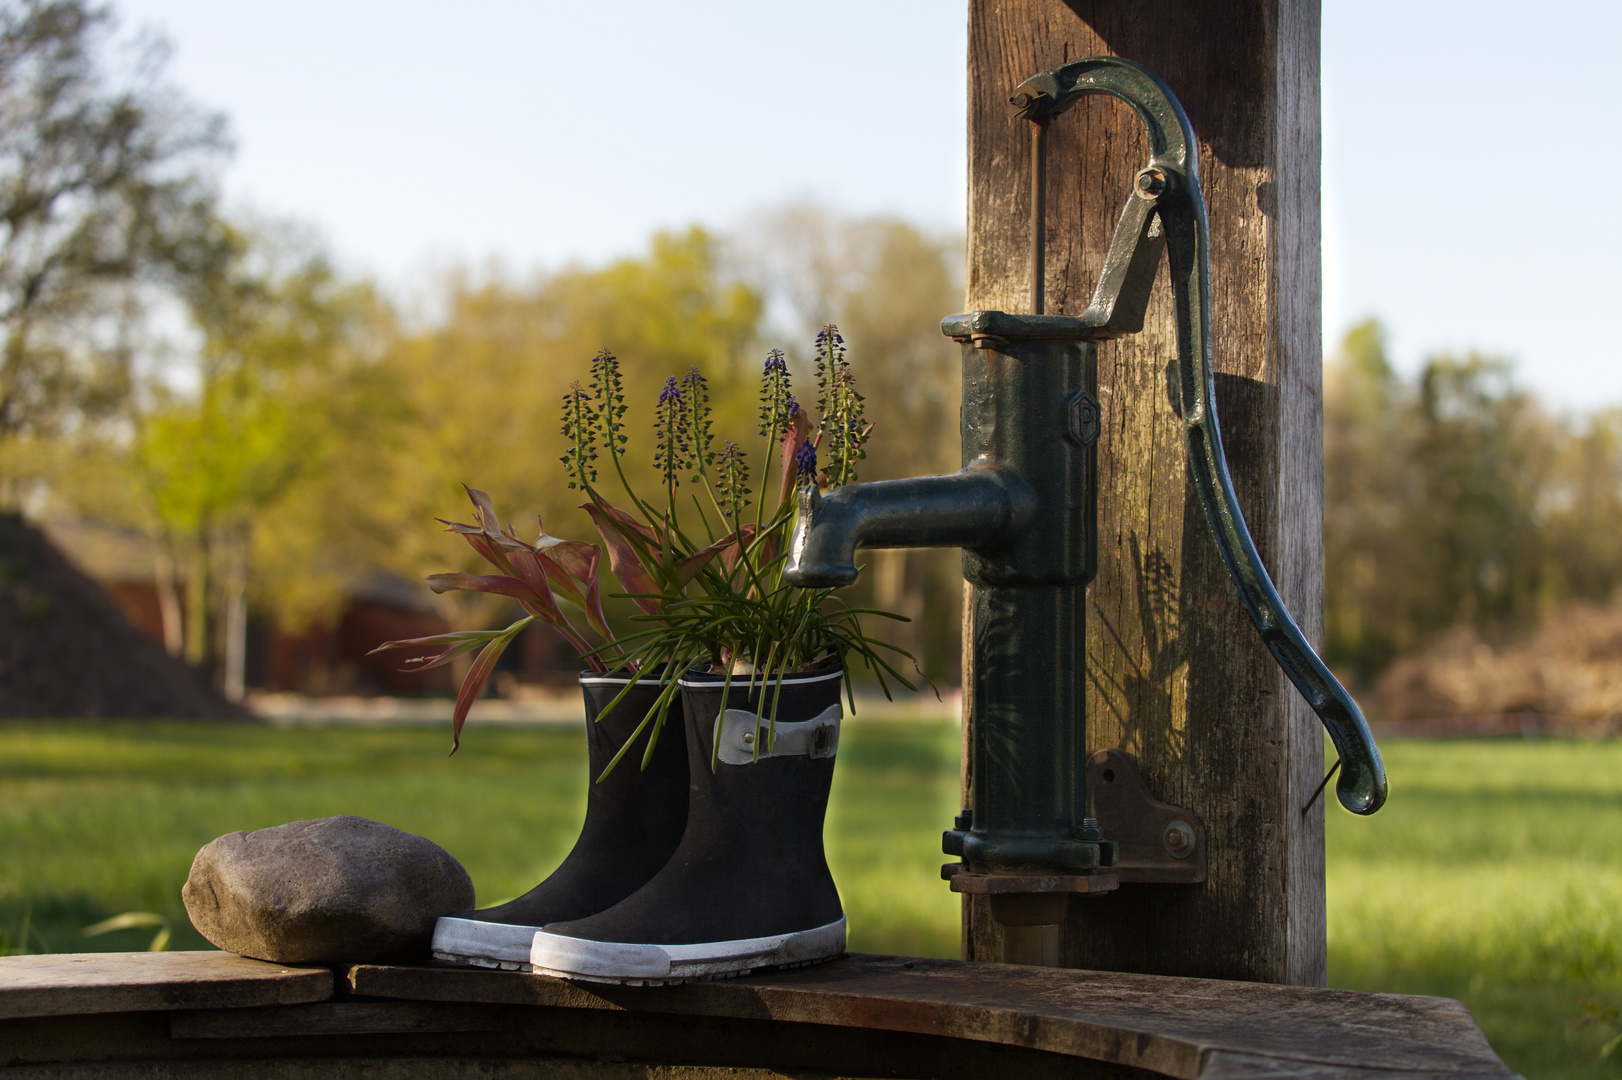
<point>741,729</point>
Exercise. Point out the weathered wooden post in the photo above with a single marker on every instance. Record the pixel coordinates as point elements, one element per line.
<point>1176,675</point>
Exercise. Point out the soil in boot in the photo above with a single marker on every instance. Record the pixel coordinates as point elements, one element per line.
<point>635,818</point>
<point>749,887</point>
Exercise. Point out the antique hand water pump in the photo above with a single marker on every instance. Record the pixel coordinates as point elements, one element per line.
<point>1023,508</point>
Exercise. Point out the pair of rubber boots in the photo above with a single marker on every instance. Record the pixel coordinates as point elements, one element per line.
<point>684,870</point>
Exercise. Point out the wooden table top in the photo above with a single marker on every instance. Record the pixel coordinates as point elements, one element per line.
<point>1190,1028</point>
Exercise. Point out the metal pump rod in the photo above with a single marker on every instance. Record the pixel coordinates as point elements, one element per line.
<point>1039,214</point>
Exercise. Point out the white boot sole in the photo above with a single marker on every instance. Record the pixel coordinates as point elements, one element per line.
<point>483,944</point>
<point>659,965</point>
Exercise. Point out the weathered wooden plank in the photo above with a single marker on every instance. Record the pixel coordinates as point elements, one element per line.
<point>1177,676</point>
<point>664,1044</point>
<point>333,1018</point>
<point>956,1017</point>
<point>1189,1028</point>
<point>1224,1065</point>
<point>402,1068</point>
<point>76,983</point>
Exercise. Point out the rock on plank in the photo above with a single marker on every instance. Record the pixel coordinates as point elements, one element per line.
<point>333,890</point>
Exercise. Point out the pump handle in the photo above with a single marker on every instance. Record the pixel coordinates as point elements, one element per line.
<point>1169,189</point>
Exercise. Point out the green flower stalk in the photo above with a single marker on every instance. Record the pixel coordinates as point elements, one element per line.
<point>608,396</point>
<point>581,426</point>
<point>776,396</point>
<point>673,424</point>
<point>830,356</point>
<point>695,393</point>
<point>778,412</point>
<point>842,431</point>
<point>732,480</point>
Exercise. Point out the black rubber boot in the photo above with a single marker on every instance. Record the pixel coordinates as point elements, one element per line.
<point>634,821</point>
<point>749,886</point>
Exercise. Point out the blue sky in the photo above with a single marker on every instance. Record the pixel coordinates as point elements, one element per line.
<point>1469,149</point>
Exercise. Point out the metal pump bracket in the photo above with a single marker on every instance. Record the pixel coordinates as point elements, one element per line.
<point>1046,821</point>
<point>1156,843</point>
<point>1151,842</point>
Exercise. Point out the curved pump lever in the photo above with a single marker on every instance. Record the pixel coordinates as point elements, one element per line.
<point>1169,188</point>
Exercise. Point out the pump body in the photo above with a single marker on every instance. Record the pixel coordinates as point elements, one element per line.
<point>1020,400</point>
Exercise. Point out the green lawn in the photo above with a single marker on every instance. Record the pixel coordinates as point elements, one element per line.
<point>97,819</point>
<point>1494,875</point>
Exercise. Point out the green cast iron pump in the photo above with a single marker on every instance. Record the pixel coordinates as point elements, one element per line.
<point>1024,507</point>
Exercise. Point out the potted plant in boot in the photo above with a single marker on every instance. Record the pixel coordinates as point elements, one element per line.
<point>762,665</point>
<point>759,666</point>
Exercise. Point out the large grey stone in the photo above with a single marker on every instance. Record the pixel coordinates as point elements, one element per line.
<point>326,891</point>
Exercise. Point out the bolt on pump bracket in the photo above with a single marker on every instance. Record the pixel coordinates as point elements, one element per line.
<point>1024,509</point>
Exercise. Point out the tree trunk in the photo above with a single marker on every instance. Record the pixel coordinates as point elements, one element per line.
<point>233,681</point>
<point>199,584</point>
<point>1177,675</point>
<point>897,588</point>
<point>174,642</point>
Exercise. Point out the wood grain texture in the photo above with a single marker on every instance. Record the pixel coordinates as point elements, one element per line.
<point>860,1015</point>
<point>331,1018</point>
<point>1177,675</point>
<point>1189,1028</point>
<point>522,1040</point>
<point>77,983</point>
<point>375,1067</point>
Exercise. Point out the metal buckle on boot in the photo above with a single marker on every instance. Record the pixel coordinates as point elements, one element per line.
<point>814,738</point>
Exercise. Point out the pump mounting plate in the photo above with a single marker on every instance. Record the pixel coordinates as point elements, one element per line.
<point>964,881</point>
<point>1155,842</point>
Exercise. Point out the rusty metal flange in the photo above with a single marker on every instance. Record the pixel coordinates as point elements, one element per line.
<point>1155,842</point>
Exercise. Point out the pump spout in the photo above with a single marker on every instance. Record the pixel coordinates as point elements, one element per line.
<point>982,507</point>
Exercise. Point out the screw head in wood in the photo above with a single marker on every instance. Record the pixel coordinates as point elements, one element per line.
<point>1178,839</point>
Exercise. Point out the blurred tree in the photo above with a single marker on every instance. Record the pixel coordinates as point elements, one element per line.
<point>1365,497</point>
<point>282,395</point>
<point>484,387</point>
<point>1580,513</point>
<point>1455,500</point>
<point>1485,454</point>
<point>101,185</point>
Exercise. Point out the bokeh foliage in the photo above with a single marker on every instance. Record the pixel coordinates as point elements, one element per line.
<point>1456,498</point>
<point>106,189</point>
<point>306,433</point>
